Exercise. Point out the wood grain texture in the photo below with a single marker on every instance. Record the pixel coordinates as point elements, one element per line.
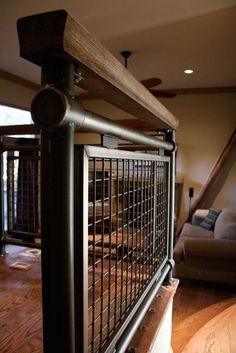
<point>21,318</point>
<point>195,303</point>
<point>151,323</point>
<point>187,328</point>
<point>20,306</point>
<point>57,35</point>
<point>217,336</point>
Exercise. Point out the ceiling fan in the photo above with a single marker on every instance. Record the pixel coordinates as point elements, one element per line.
<point>150,82</point>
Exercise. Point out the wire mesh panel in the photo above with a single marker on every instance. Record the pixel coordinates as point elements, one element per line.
<point>23,194</point>
<point>127,237</point>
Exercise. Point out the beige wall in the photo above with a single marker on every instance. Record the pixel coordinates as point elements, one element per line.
<point>206,123</point>
<point>15,95</point>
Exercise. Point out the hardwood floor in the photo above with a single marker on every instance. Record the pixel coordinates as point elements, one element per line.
<point>217,335</point>
<point>20,305</point>
<point>195,304</point>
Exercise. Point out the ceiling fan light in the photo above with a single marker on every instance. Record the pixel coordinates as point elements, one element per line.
<point>188,71</point>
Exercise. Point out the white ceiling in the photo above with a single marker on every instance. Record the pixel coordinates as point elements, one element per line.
<point>165,36</point>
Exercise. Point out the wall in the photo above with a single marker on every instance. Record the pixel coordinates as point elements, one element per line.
<point>15,95</point>
<point>206,123</point>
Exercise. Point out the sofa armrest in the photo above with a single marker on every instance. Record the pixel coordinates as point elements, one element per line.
<point>210,248</point>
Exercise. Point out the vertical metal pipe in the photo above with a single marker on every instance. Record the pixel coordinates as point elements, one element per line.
<point>170,137</point>
<point>81,248</point>
<point>57,174</point>
<point>2,243</point>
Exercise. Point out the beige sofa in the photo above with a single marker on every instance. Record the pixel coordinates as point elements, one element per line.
<point>208,255</point>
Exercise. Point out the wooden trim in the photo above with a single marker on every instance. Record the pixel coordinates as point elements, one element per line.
<point>19,130</point>
<point>57,35</point>
<point>19,80</point>
<point>145,336</point>
<point>202,90</point>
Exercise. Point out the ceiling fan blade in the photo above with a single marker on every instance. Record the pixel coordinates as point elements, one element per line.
<point>151,82</point>
<point>162,93</point>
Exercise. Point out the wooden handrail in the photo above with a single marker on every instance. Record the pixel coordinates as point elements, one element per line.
<point>58,35</point>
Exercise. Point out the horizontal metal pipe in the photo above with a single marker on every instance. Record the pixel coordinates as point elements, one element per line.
<point>102,125</point>
<point>51,108</point>
<point>127,336</point>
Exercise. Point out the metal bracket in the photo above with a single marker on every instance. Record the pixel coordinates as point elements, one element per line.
<point>109,141</point>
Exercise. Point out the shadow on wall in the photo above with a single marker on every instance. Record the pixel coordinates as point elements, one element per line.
<point>220,180</point>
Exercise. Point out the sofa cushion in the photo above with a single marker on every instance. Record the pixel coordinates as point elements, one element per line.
<point>229,231</point>
<point>190,230</point>
<point>209,221</point>
<point>225,223</point>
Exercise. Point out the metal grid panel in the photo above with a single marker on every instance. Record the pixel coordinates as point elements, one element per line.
<point>127,238</point>
<point>23,194</point>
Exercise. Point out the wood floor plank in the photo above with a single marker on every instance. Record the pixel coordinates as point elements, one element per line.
<point>186,329</point>
<point>195,303</point>
<point>20,305</point>
<point>217,336</point>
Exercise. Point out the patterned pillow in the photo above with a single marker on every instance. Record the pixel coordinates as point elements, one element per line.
<point>209,221</point>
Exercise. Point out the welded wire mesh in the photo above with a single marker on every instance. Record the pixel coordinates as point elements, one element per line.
<point>127,239</point>
<point>23,194</point>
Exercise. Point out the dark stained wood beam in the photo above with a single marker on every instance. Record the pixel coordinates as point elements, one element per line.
<point>19,129</point>
<point>56,34</point>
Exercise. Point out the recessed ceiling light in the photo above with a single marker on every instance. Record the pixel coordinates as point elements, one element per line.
<point>188,71</point>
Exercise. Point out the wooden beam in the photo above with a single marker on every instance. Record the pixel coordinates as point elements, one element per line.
<point>144,338</point>
<point>202,90</point>
<point>210,179</point>
<point>136,124</point>
<point>57,35</point>
<point>19,130</point>
<point>19,80</point>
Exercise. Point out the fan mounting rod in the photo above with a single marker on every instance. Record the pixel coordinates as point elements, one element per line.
<point>126,54</point>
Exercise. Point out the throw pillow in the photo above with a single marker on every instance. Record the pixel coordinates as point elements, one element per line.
<point>209,221</point>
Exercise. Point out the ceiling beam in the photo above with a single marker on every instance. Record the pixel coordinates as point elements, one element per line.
<point>202,90</point>
<point>19,80</point>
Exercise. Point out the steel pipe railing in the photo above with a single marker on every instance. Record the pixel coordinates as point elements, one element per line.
<point>51,108</point>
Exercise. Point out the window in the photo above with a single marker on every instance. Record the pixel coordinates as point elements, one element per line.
<point>12,116</point>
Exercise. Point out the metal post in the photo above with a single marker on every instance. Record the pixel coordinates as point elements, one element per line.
<point>57,206</point>
<point>81,248</point>
<point>170,137</point>
<point>2,243</point>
